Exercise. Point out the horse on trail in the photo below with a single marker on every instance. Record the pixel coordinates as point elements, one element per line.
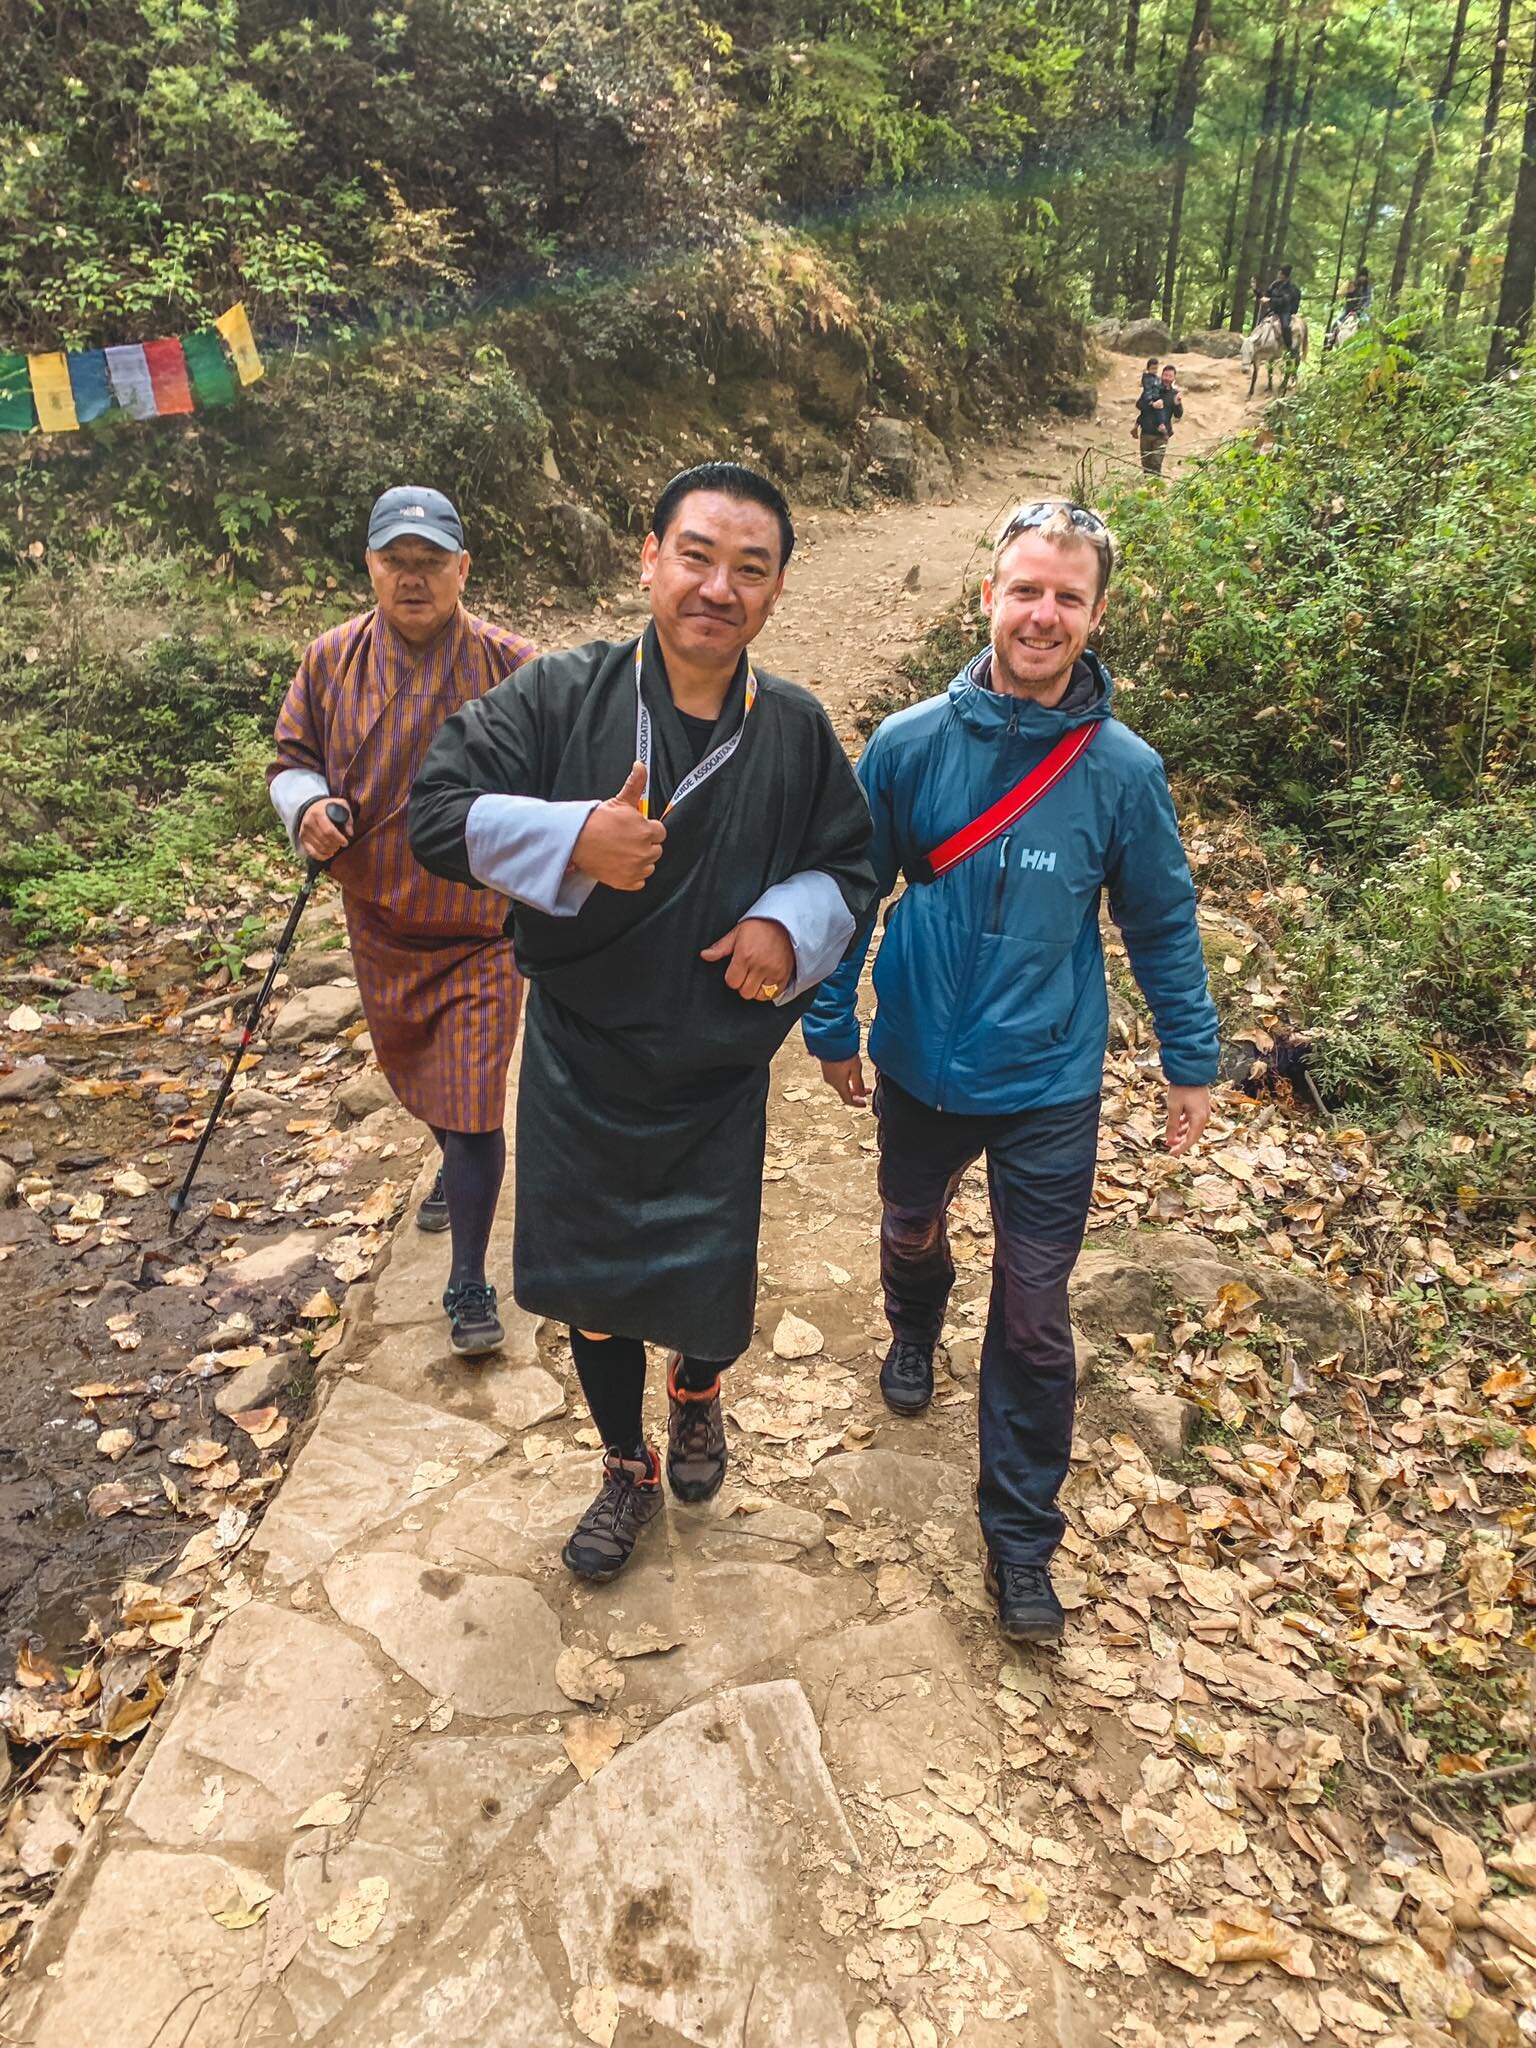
<point>1265,346</point>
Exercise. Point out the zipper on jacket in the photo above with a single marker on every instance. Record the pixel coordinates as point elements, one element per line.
<point>1002,882</point>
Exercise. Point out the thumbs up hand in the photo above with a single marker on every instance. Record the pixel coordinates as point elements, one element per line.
<point>618,844</point>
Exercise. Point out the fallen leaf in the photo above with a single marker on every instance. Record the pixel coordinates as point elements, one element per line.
<point>646,1641</point>
<point>198,1452</point>
<point>357,1914</point>
<point>330,1810</point>
<point>585,1676</point>
<point>595,2013</point>
<point>23,1018</point>
<point>264,1426</point>
<point>130,1182</point>
<point>591,1742</point>
<point>961,1904</point>
<point>319,1308</point>
<point>115,1443</point>
<point>430,1474</point>
<point>242,1903</point>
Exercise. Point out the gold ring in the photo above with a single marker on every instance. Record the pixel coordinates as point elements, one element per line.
<point>768,991</point>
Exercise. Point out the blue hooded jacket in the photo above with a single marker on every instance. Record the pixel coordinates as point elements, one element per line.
<point>989,982</point>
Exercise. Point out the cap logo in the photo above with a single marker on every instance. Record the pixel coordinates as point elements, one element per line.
<point>413,511</point>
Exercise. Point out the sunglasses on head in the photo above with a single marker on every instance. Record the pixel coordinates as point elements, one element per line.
<point>1044,510</point>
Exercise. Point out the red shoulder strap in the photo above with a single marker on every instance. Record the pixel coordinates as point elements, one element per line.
<point>1007,811</point>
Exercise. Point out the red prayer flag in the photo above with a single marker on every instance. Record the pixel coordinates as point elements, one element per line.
<point>168,375</point>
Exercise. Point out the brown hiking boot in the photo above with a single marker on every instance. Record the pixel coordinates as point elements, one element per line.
<point>601,1542</point>
<point>695,1438</point>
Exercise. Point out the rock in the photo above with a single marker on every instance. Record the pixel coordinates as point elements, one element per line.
<point>1142,338</point>
<point>256,1102</point>
<point>92,1006</point>
<point>1318,1320</point>
<point>311,966</point>
<point>586,542</point>
<point>255,1385</point>
<point>550,466</point>
<point>30,1080</point>
<point>1076,401</point>
<point>1124,1024</point>
<point>357,1471</point>
<point>505,1391</point>
<point>682,1881</point>
<point>19,1151</point>
<point>1212,341</point>
<point>283,1707</point>
<point>278,1260</point>
<point>479,1985</point>
<point>319,1012</point>
<point>769,1532</point>
<point>895,1699</point>
<point>1115,1293</point>
<point>486,1643</point>
<point>794,1337</point>
<point>48,1832</point>
<point>909,460</point>
<point>365,1093</point>
<point>514,1521</point>
<point>1195,1272</point>
<point>7,1184</point>
<point>146,1947</point>
<point>900,1486</point>
<point>1162,1424</point>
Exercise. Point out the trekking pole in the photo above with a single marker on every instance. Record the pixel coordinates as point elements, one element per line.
<point>338,817</point>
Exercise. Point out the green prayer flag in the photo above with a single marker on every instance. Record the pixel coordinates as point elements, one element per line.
<point>18,415</point>
<point>212,379</point>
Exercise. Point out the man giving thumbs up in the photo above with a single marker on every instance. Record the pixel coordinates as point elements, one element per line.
<point>671,934</point>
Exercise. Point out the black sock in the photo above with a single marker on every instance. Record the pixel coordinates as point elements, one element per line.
<point>612,1375</point>
<point>698,1375</point>
<point>473,1165</point>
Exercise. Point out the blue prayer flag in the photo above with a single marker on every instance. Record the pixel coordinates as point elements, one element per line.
<point>88,379</point>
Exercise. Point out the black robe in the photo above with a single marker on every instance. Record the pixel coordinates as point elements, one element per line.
<point>642,1103</point>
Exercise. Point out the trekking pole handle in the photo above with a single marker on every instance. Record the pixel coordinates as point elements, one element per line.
<point>340,817</point>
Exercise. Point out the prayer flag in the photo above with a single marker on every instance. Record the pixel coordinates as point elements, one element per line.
<point>211,378</point>
<point>131,381</point>
<point>53,395</point>
<point>17,414</point>
<point>168,374</point>
<point>88,377</point>
<point>236,330</point>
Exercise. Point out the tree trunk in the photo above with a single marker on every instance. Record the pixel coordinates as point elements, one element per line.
<point>1219,311</point>
<point>1132,34</point>
<point>1438,109</point>
<point>1270,253</point>
<point>1247,248</point>
<point>1512,321</point>
<point>1159,90</point>
<point>1303,122</point>
<point>1186,98</point>
<point>1349,200</point>
<point>1374,207</point>
<point>1477,199</point>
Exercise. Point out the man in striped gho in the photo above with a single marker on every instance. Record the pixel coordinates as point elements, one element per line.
<point>436,975</point>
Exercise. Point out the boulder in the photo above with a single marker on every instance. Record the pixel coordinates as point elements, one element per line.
<point>255,1102</point>
<point>309,966</point>
<point>907,459</point>
<point>7,1183</point>
<point>586,543</point>
<point>319,1012</point>
<point>364,1093</point>
<point>92,1006</point>
<point>30,1080</point>
<point>1076,401</point>
<point>1112,1292</point>
<point>1162,1424</point>
<point>1213,341</point>
<point>1142,338</point>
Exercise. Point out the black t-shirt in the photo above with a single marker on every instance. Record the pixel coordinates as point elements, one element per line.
<point>698,733</point>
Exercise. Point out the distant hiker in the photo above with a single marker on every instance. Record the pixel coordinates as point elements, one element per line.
<point>1358,294</point>
<point>667,963</point>
<point>1284,299</point>
<point>1156,411</point>
<point>1011,805</point>
<point>436,975</point>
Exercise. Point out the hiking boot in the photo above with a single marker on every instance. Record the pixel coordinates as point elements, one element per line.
<point>433,1213</point>
<point>600,1544</point>
<point>695,1438</point>
<point>1027,1608</point>
<point>473,1324</point>
<point>906,1378</point>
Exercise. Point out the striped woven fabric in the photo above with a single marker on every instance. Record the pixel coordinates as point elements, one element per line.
<point>438,981</point>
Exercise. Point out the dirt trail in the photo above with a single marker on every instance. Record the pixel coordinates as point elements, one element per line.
<point>781,1785</point>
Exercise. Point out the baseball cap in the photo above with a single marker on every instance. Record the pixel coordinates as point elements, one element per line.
<point>422,514</point>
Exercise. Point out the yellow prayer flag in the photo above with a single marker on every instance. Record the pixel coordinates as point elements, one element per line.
<point>52,393</point>
<point>236,330</point>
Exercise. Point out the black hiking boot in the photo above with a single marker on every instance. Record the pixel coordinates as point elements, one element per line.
<point>1027,1608</point>
<point>906,1378</point>
<point>433,1213</point>
<point>473,1324</point>
<point>695,1438</point>
<point>600,1544</point>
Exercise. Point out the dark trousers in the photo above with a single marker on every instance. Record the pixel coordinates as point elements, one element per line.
<point>1040,1165</point>
<point>1153,449</point>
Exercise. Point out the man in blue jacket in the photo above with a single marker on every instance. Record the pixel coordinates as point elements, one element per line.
<point>992,1014</point>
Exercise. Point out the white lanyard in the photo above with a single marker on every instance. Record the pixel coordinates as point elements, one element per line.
<point>716,758</point>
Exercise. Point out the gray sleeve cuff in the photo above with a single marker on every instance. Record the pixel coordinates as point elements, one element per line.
<point>811,909</point>
<point>521,846</point>
<point>291,792</point>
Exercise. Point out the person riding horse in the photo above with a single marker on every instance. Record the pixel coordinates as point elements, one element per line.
<point>1284,299</point>
<point>1354,309</point>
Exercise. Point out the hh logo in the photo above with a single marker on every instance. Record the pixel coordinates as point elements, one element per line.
<point>1038,859</point>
